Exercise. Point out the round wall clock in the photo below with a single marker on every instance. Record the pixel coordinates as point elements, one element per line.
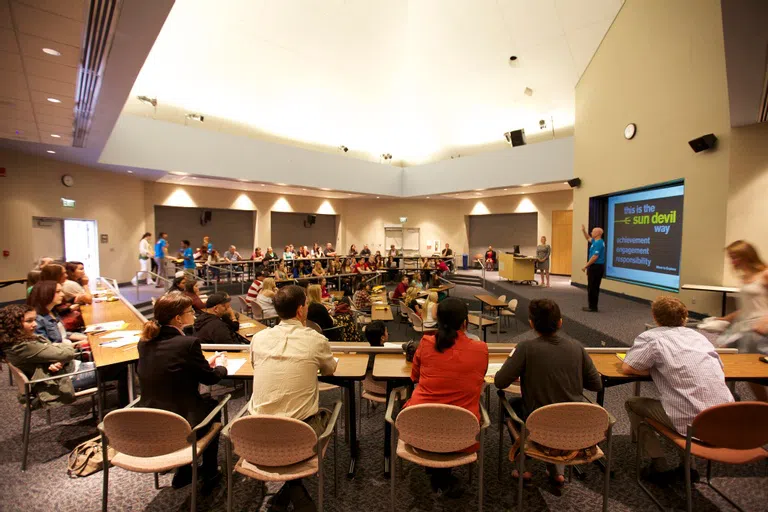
<point>630,130</point>
<point>67,180</point>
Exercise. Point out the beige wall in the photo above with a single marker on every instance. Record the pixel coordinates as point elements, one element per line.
<point>661,66</point>
<point>747,202</point>
<point>33,188</point>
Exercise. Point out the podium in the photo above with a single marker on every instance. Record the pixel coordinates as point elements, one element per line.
<point>517,269</point>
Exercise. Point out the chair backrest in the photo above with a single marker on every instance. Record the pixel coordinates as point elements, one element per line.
<point>736,425</point>
<point>374,386</point>
<point>568,426</point>
<point>503,298</point>
<point>391,295</point>
<point>256,311</point>
<point>314,326</point>
<point>512,306</point>
<point>437,427</point>
<point>272,440</point>
<point>414,318</point>
<point>145,432</point>
<point>20,379</point>
<point>243,304</point>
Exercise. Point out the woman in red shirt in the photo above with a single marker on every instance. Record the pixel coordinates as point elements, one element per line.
<point>449,368</point>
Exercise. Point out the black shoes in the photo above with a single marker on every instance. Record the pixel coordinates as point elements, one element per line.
<point>449,487</point>
<point>182,478</point>
<point>665,478</point>
<point>590,310</point>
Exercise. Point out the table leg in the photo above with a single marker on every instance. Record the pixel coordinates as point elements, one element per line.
<point>100,393</point>
<point>387,432</point>
<point>352,425</point>
<point>725,296</point>
<point>131,371</point>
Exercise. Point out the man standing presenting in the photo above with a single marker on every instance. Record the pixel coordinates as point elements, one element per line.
<point>595,267</point>
<point>161,252</point>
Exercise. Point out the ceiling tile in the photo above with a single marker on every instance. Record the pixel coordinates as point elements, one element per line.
<point>11,62</point>
<point>8,41</point>
<point>60,89</point>
<point>17,114</point>
<point>47,129</point>
<point>5,15</point>
<point>62,123</point>
<point>574,14</point>
<point>18,104</point>
<point>14,85</point>
<point>41,97</point>
<point>46,69</point>
<point>27,136</point>
<point>33,47</point>
<point>50,110</point>
<point>45,138</point>
<point>584,42</point>
<point>11,125</point>
<point>73,9</point>
<point>44,24</point>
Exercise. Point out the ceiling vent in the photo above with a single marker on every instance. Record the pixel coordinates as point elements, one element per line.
<point>97,42</point>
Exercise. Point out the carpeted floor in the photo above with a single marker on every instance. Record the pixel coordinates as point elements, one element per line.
<point>45,486</point>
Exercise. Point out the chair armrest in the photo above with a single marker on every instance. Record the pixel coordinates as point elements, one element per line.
<point>611,418</point>
<point>46,379</point>
<point>193,435</point>
<point>129,406</point>
<point>508,409</point>
<point>334,328</point>
<point>486,419</point>
<point>393,397</point>
<point>332,422</point>
<point>239,415</point>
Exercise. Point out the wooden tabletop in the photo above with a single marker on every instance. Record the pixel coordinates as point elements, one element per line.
<point>338,295</point>
<point>383,313</point>
<point>490,300</point>
<point>710,288</point>
<point>736,367</point>
<point>475,320</point>
<point>395,367</point>
<point>349,366</point>
<point>6,282</point>
<point>101,312</point>
<point>248,331</point>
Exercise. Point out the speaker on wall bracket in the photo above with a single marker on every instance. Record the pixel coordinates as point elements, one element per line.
<point>516,137</point>
<point>311,219</point>
<point>703,143</point>
<point>575,182</point>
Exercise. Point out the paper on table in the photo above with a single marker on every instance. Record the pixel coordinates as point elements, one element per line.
<point>121,342</point>
<point>120,334</point>
<point>106,326</point>
<point>492,369</point>
<point>233,365</point>
<point>392,344</point>
<point>621,355</point>
<point>247,325</point>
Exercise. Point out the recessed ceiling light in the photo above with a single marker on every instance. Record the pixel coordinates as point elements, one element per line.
<point>427,197</point>
<point>54,100</point>
<point>130,172</point>
<point>178,173</point>
<point>55,136</point>
<point>506,189</point>
<point>526,185</point>
<point>51,152</point>
<point>194,178</point>
<point>51,51</point>
<point>478,190</point>
<point>263,185</point>
<point>244,181</point>
<point>304,189</point>
<point>377,197</point>
<point>280,184</point>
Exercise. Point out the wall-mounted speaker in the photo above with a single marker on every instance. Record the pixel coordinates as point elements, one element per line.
<point>516,137</point>
<point>575,182</point>
<point>205,217</point>
<point>311,219</point>
<point>703,143</point>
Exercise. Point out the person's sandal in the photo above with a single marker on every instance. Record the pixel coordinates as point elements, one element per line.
<point>527,480</point>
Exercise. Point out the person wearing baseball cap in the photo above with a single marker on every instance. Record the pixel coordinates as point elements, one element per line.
<point>218,321</point>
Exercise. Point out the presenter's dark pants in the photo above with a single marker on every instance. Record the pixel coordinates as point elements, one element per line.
<point>594,277</point>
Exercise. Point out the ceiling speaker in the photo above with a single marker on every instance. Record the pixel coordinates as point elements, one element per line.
<point>516,137</point>
<point>703,143</point>
<point>575,182</point>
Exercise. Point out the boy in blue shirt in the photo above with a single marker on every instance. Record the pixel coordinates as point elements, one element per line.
<point>161,252</point>
<point>595,267</point>
<point>189,257</point>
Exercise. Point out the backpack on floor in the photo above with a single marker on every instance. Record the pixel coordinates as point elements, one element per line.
<point>87,459</point>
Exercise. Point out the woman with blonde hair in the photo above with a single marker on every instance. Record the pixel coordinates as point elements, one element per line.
<point>411,294</point>
<point>429,311</point>
<point>171,368</point>
<point>749,324</point>
<point>316,311</point>
<point>266,297</point>
<point>317,270</point>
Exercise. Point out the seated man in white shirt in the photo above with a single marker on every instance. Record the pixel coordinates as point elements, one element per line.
<point>686,370</point>
<point>286,360</point>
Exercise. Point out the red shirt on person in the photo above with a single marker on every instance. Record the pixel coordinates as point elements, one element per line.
<point>453,377</point>
<point>400,290</point>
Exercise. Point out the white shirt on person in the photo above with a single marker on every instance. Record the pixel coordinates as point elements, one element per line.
<point>286,360</point>
<point>267,305</point>
<point>72,289</point>
<point>686,369</point>
<point>145,249</point>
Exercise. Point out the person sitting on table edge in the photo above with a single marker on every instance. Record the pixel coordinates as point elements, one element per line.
<point>687,372</point>
<point>218,322</point>
<point>288,358</point>
<point>552,369</point>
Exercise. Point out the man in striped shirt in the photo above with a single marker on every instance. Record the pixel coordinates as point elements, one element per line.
<point>253,291</point>
<point>685,368</point>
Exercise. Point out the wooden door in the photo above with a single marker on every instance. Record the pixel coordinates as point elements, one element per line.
<point>562,242</point>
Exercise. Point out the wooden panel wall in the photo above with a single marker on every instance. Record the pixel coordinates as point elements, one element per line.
<point>562,241</point>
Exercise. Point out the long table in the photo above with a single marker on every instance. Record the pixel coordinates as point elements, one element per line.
<point>350,368</point>
<point>725,290</point>
<point>492,302</point>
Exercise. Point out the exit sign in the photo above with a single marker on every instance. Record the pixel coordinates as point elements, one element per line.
<point>67,203</point>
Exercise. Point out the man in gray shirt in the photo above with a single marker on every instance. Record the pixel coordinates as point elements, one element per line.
<point>552,369</point>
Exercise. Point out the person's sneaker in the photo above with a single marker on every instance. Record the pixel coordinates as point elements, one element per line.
<point>452,488</point>
<point>590,310</point>
<point>133,281</point>
<point>210,483</point>
<point>679,474</point>
<point>659,478</point>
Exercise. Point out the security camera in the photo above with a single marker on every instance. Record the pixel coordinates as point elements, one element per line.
<point>344,148</point>
<point>513,58</point>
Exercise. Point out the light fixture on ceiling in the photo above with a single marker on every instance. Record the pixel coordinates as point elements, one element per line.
<point>513,58</point>
<point>51,152</point>
<point>377,197</point>
<point>526,184</point>
<point>281,184</point>
<point>386,156</point>
<point>263,185</point>
<point>244,181</point>
<point>528,91</point>
<point>148,100</point>
<point>427,197</point>
<point>194,178</point>
<point>52,52</point>
<point>343,148</point>
<point>130,172</point>
<point>195,117</point>
<point>54,100</point>
<point>542,124</point>
<point>506,189</point>
<point>403,220</point>
<point>179,173</point>
<point>55,136</point>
